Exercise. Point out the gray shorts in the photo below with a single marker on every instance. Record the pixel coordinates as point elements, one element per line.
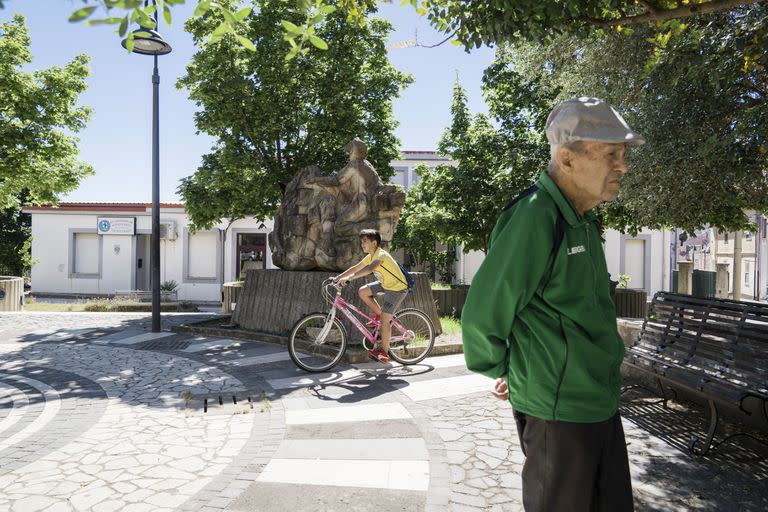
<point>389,300</point>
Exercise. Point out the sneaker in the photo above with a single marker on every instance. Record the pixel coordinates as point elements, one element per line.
<point>379,355</point>
<point>373,321</point>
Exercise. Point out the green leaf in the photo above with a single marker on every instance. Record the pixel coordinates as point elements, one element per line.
<point>318,43</point>
<point>247,43</point>
<point>129,42</point>
<point>243,13</point>
<point>82,14</point>
<point>328,9</point>
<point>228,16</point>
<point>456,42</point>
<point>145,21</point>
<point>167,15</point>
<point>221,30</point>
<point>106,21</point>
<point>123,26</point>
<point>202,8</point>
<point>291,54</point>
<point>290,27</point>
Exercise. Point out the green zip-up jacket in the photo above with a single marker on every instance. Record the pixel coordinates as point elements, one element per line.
<point>545,319</point>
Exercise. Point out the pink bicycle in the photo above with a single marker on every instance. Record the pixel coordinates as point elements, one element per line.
<point>318,341</point>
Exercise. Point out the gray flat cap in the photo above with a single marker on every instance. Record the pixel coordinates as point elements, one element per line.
<point>588,119</point>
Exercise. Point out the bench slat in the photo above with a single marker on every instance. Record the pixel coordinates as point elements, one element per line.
<point>718,346</point>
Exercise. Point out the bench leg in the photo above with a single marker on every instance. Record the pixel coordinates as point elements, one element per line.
<point>663,393</point>
<point>692,444</point>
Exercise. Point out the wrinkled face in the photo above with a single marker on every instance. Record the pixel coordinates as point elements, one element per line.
<point>369,246</point>
<point>598,170</point>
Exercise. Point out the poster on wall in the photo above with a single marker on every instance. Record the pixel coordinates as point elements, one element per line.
<point>116,225</point>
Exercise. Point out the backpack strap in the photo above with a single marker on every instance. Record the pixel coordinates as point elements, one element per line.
<point>559,236</point>
<point>393,275</point>
<point>525,193</point>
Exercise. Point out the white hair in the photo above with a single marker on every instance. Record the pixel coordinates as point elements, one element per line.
<point>577,146</point>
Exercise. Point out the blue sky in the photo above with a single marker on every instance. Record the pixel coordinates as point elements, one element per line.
<point>117,141</point>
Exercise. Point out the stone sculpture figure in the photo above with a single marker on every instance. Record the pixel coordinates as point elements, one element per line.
<point>318,221</point>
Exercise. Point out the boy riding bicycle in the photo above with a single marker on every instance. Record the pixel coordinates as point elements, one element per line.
<point>389,289</point>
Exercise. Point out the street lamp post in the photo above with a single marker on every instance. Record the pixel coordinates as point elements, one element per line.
<point>149,42</point>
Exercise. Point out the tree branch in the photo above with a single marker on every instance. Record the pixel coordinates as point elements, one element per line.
<point>653,14</point>
<point>416,37</point>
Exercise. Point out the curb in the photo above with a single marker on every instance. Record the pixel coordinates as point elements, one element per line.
<point>354,354</point>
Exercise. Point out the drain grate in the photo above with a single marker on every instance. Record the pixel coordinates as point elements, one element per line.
<point>239,402</point>
<point>164,345</point>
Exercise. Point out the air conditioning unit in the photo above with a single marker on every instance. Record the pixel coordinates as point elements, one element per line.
<point>168,230</point>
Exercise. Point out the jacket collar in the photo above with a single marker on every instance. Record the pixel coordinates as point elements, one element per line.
<point>570,214</point>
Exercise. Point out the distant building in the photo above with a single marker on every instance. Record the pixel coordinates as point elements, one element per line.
<point>97,249</point>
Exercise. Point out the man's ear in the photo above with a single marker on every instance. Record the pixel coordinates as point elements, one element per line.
<point>564,159</point>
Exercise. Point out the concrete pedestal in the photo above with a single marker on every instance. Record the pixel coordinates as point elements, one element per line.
<point>272,300</point>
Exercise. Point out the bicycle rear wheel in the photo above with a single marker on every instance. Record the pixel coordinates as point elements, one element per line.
<point>413,336</point>
<point>309,350</point>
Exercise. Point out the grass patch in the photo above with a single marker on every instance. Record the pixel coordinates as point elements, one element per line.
<point>450,325</point>
<point>440,286</point>
<point>53,306</point>
<point>111,305</point>
<point>107,306</point>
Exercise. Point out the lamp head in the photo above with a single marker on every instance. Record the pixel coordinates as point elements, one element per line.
<point>148,42</point>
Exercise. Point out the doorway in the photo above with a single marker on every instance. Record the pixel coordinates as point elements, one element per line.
<point>251,252</point>
<point>142,263</point>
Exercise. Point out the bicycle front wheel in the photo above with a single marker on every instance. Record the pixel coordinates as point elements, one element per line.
<point>413,336</point>
<point>315,347</point>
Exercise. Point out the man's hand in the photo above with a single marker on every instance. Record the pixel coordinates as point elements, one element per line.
<point>500,389</point>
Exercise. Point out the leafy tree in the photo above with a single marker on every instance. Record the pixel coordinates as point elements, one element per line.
<point>38,112</point>
<point>477,22</point>
<point>701,106</point>
<point>15,241</point>
<point>492,166</point>
<point>273,117</point>
<point>415,231</point>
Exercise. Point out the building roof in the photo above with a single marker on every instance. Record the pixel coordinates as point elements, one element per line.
<point>100,207</point>
<point>422,155</point>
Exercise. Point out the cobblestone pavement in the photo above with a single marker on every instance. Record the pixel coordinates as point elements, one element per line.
<point>97,413</point>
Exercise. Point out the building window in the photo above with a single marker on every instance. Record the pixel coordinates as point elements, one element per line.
<point>202,257</point>
<point>726,237</point>
<point>85,249</point>
<point>747,274</point>
<point>86,260</point>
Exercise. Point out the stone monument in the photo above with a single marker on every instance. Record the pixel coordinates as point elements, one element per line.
<point>318,221</point>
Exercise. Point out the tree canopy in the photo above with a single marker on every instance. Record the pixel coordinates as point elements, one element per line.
<point>700,103</point>
<point>477,22</point>
<point>38,114</point>
<point>459,204</point>
<point>271,118</point>
<point>15,240</point>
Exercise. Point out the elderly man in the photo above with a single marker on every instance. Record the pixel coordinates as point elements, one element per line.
<point>539,318</point>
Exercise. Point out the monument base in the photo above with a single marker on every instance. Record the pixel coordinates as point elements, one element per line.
<point>273,300</point>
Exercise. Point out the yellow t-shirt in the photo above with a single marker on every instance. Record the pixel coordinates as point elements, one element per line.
<point>390,277</point>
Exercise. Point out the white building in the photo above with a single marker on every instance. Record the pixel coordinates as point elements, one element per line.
<point>102,248</point>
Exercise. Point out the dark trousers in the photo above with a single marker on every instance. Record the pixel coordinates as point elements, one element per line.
<point>579,467</point>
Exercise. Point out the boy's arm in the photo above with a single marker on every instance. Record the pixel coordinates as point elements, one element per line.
<point>503,285</point>
<point>364,270</point>
<point>351,272</point>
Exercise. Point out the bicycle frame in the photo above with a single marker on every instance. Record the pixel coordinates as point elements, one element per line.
<point>339,304</point>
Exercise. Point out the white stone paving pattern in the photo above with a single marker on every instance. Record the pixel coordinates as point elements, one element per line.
<point>144,453</point>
